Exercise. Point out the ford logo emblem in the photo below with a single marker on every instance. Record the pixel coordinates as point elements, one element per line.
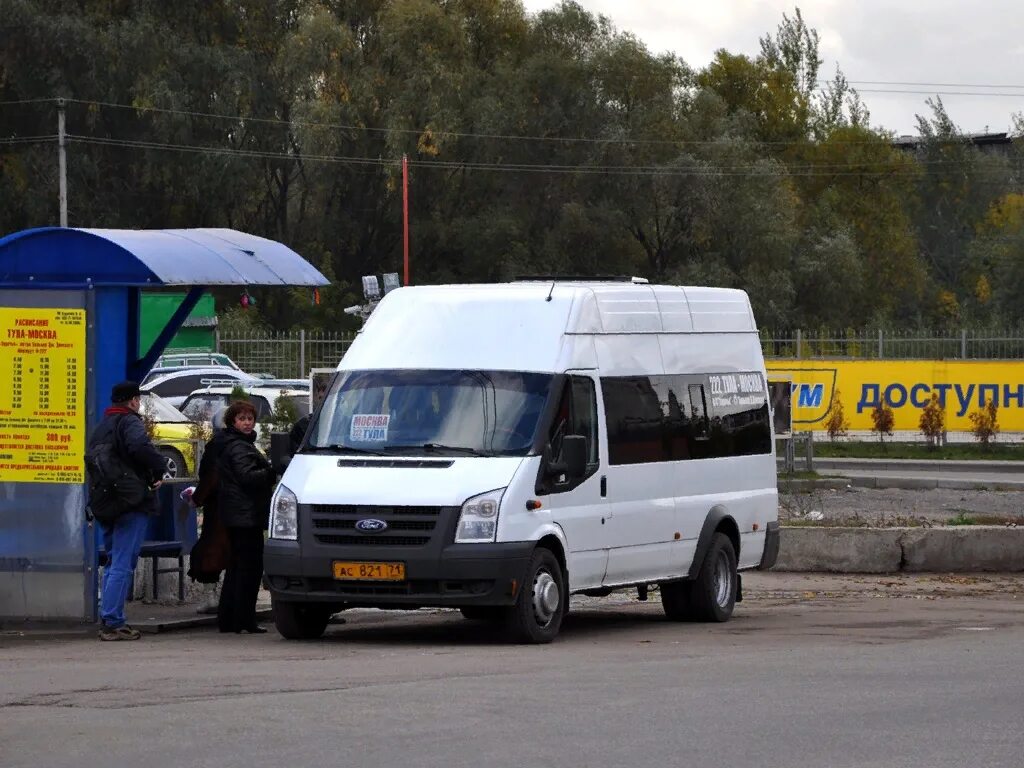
<point>371,525</point>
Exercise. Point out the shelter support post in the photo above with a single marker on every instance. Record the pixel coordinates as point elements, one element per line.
<point>143,365</point>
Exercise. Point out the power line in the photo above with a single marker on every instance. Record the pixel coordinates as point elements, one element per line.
<point>11,140</point>
<point>923,85</point>
<point>26,101</point>
<point>749,170</point>
<point>944,93</point>
<point>450,134</point>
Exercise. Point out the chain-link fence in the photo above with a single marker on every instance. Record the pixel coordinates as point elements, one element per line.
<point>286,355</point>
<point>958,344</point>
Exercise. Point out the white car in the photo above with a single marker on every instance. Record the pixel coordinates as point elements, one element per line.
<point>203,404</point>
<point>176,385</point>
<point>195,359</point>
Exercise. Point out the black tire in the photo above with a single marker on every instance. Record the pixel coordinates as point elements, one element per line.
<point>298,621</point>
<point>713,593</point>
<point>175,462</point>
<point>483,613</point>
<point>675,599</point>
<point>537,615</point>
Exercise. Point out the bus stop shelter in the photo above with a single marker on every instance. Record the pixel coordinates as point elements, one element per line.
<point>69,331</point>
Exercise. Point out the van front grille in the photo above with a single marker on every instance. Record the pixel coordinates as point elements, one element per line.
<point>369,541</point>
<point>412,526</point>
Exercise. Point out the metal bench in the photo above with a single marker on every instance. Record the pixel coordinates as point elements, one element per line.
<point>155,550</point>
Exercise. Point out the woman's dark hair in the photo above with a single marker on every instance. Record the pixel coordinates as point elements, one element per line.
<point>236,409</point>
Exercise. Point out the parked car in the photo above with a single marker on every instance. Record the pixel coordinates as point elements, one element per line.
<point>172,434</point>
<point>176,385</point>
<point>202,405</point>
<point>195,359</point>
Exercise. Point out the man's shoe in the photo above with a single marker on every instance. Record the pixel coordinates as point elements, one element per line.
<point>120,633</point>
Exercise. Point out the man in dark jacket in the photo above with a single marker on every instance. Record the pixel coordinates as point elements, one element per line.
<point>123,538</point>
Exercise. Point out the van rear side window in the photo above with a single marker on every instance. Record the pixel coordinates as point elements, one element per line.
<point>682,417</point>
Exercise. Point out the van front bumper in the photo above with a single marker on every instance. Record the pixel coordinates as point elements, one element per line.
<point>458,575</point>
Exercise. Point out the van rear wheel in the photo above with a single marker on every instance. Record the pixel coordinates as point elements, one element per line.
<point>712,595</point>
<point>298,621</point>
<point>537,615</point>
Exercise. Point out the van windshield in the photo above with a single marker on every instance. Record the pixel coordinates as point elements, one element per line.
<point>432,412</point>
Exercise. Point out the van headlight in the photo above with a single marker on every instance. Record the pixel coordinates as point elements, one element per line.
<point>284,515</point>
<point>478,522</point>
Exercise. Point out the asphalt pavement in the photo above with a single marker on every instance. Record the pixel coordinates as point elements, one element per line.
<point>812,671</point>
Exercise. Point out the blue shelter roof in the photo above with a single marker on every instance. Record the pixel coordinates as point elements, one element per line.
<point>62,257</point>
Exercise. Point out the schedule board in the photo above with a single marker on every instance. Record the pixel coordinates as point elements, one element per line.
<point>42,395</point>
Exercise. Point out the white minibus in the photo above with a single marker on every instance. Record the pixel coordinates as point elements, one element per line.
<point>497,448</point>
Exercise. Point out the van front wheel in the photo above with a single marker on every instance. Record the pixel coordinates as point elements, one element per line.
<point>483,613</point>
<point>296,621</point>
<point>537,615</point>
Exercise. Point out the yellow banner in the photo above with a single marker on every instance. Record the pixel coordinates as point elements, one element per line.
<point>962,388</point>
<point>42,400</point>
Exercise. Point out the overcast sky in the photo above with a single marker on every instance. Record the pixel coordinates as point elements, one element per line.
<point>938,43</point>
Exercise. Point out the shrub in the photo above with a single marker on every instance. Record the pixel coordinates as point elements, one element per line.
<point>933,421</point>
<point>284,415</point>
<point>836,425</point>
<point>883,419</point>
<point>985,423</point>
<point>281,419</point>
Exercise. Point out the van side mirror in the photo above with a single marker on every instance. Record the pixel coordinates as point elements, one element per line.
<point>280,451</point>
<point>574,454</point>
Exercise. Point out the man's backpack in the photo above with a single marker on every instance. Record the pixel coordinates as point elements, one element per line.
<point>115,487</point>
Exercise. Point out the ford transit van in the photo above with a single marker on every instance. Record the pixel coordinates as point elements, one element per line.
<point>496,448</point>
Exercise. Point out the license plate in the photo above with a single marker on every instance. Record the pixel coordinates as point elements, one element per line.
<point>346,571</point>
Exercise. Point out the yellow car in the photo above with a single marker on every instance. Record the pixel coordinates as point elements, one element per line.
<point>172,434</point>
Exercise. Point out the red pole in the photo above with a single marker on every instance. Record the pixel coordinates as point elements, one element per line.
<point>405,214</point>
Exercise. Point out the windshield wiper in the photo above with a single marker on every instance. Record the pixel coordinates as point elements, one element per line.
<point>440,447</point>
<point>336,448</point>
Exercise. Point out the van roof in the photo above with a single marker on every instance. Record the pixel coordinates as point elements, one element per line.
<point>526,321</point>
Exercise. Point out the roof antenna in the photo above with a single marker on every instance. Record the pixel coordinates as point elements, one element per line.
<point>551,291</point>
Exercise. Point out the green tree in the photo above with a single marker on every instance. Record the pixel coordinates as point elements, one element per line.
<point>957,186</point>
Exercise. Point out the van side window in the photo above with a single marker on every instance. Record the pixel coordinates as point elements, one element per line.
<point>698,416</point>
<point>740,424</point>
<point>682,417</point>
<point>635,420</point>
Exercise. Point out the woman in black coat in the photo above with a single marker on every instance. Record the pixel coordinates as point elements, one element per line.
<point>246,483</point>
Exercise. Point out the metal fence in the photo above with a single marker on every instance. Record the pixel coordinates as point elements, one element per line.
<point>959,344</point>
<point>292,354</point>
<point>288,354</point>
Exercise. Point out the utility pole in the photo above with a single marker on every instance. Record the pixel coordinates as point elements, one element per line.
<point>63,163</point>
<point>405,217</point>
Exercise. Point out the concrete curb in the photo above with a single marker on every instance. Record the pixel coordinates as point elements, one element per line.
<point>962,549</point>
<point>903,483</point>
<point>919,465</point>
<point>813,484</point>
<point>929,483</point>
